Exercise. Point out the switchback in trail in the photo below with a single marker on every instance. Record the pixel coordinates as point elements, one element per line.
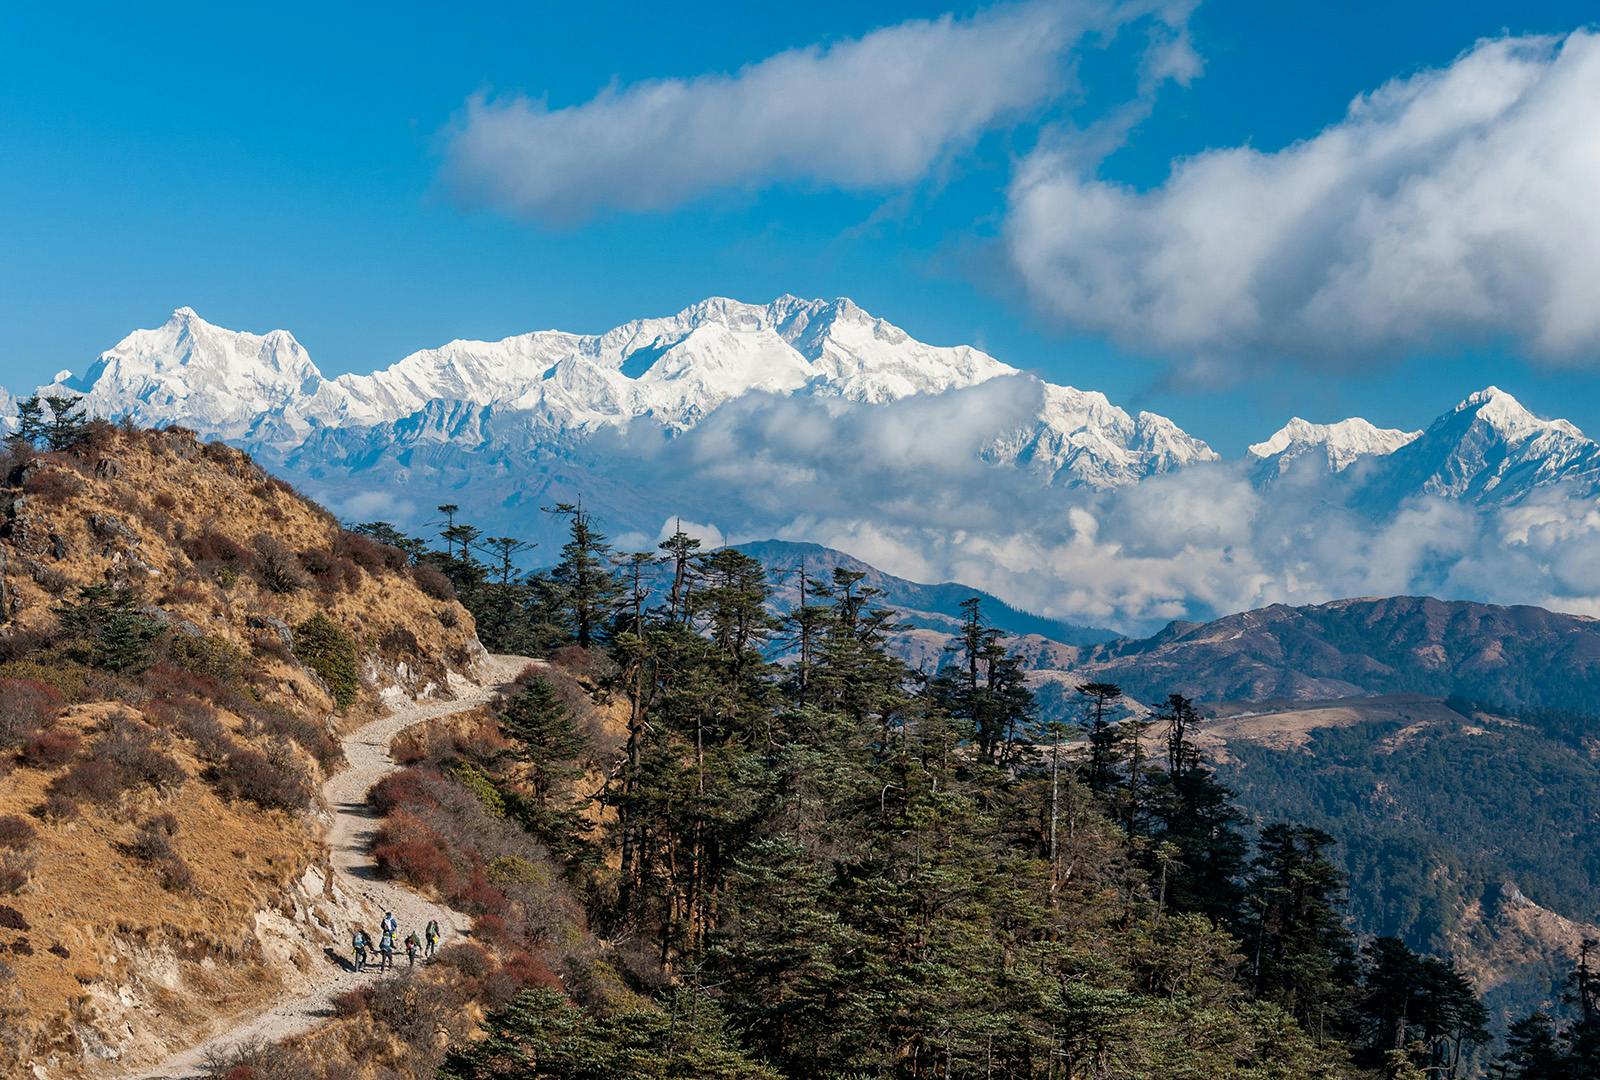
<point>349,842</point>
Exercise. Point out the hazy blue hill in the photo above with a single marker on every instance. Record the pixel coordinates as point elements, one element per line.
<point>935,607</point>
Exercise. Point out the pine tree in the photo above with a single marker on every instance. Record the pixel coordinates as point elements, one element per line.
<point>545,738</point>
<point>1105,749</point>
<point>1303,958</point>
<point>1196,815</point>
<point>585,587</point>
<point>67,422</point>
<point>107,629</point>
<point>30,421</point>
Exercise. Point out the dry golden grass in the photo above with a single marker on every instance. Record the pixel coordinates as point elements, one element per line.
<point>149,509</point>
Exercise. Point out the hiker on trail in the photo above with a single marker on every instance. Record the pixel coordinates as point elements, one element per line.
<point>390,924</point>
<point>432,934</point>
<point>412,945</point>
<point>360,943</point>
<point>386,949</point>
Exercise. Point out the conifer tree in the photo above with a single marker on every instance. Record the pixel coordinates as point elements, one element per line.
<point>545,738</point>
<point>1303,958</point>
<point>585,588</point>
<point>1105,750</point>
<point>30,421</point>
<point>67,421</point>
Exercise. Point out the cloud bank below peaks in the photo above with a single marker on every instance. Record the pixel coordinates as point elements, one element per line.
<point>1453,206</point>
<point>904,486</point>
<point>868,113</point>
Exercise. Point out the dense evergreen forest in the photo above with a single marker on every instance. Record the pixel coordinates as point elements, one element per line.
<point>812,861</point>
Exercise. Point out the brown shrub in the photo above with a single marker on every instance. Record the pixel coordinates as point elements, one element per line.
<point>11,919</point>
<point>153,844</point>
<point>312,737</point>
<point>432,581</point>
<point>51,749</point>
<point>58,806</point>
<point>190,593</point>
<point>133,748</point>
<point>273,779</point>
<point>277,568</point>
<point>203,727</point>
<point>53,484</point>
<point>212,547</point>
<point>330,571</point>
<point>94,779</point>
<point>165,501</point>
<point>16,832</point>
<point>16,869</point>
<point>26,705</point>
<point>370,555</point>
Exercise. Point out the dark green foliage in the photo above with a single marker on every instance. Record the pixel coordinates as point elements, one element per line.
<point>541,1036</point>
<point>30,421</point>
<point>1304,959</point>
<point>56,422</point>
<point>830,867</point>
<point>67,423</point>
<point>328,649</point>
<point>1418,1005</point>
<point>1465,806</point>
<point>584,587</point>
<point>546,740</point>
<point>105,628</point>
<point>1541,1047</point>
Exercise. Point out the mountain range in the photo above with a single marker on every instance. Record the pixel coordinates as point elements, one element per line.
<point>264,389</point>
<point>742,416</point>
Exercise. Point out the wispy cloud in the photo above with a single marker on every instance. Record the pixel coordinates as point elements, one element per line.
<point>1451,206</point>
<point>869,113</point>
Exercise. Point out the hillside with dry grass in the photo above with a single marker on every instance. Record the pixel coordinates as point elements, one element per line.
<point>182,638</point>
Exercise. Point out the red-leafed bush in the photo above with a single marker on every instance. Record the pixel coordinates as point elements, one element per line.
<point>51,749</point>
<point>408,849</point>
<point>406,789</point>
<point>213,547</point>
<point>479,896</point>
<point>524,971</point>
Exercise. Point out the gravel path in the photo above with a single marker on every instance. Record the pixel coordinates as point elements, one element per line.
<point>349,841</point>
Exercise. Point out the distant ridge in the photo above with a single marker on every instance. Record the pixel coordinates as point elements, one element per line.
<point>943,600</point>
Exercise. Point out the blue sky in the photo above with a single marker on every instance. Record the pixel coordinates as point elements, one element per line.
<point>285,165</point>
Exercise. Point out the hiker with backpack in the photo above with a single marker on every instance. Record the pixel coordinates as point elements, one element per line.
<point>386,949</point>
<point>432,936</point>
<point>359,943</point>
<point>412,945</point>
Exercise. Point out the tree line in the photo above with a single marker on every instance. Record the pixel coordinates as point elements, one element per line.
<point>824,863</point>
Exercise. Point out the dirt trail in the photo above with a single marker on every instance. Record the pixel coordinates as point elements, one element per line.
<point>349,839</point>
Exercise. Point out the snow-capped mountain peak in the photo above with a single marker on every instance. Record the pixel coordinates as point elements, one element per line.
<point>1488,448</point>
<point>1341,444</point>
<point>190,371</point>
<point>1510,419</point>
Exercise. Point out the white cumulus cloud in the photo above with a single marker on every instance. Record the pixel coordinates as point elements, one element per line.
<point>866,113</point>
<point>1453,205</point>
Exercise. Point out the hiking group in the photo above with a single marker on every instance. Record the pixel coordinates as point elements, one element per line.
<point>362,944</point>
